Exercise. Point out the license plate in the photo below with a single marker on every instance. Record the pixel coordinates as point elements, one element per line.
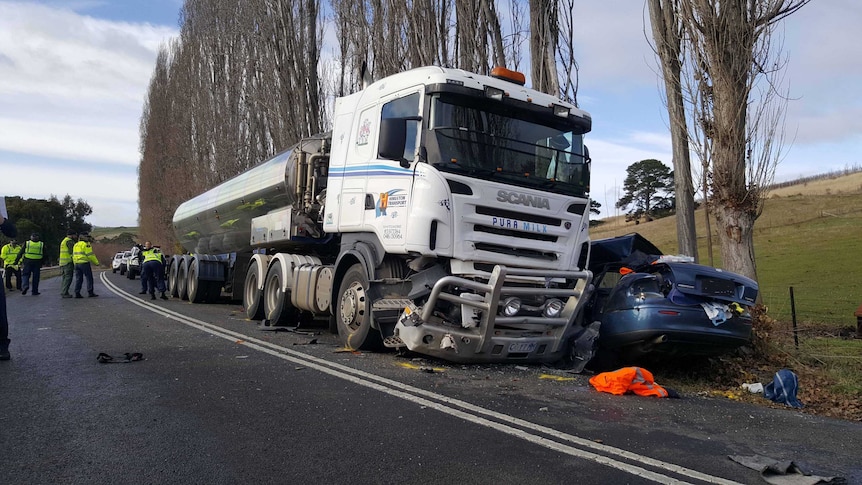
<point>525,347</point>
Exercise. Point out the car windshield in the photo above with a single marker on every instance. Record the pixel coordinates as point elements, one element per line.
<point>469,137</point>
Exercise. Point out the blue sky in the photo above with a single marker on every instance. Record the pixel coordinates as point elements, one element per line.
<point>74,75</point>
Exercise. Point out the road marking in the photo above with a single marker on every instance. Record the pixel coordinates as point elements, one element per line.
<point>468,412</point>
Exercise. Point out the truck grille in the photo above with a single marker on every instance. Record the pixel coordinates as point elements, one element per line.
<point>528,253</point>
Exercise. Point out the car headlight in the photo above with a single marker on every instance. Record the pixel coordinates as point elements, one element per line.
<point>511,306</point>
<point>553,308</point>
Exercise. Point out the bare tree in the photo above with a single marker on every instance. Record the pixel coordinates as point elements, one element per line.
<point>735,72</point>
<point>478,36</point>
<point>544,37</point>
<point>240,84</point>
<point>518,32</point>
<point>566,52</point>
<point>667,33</point>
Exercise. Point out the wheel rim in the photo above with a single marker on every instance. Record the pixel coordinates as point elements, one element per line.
<point>352,307</point>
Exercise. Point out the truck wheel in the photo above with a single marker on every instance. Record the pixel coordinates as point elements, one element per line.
<point>173,268</point>
<point>353,312</point>
<point>252,296</point>
<point>197,289</point>
<point>182,279</point>
<point>276,306</point>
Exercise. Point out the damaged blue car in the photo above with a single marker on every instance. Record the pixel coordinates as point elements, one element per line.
<point>648,304</point>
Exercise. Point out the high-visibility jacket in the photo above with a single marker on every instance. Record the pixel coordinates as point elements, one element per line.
<point>83,253</point>
<point>628,379</point>
<point>33,250</point>
<point>152,255</point>
<point>65,251</point>
<point>9,254</point>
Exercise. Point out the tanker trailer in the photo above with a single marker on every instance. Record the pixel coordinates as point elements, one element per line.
<point>215,228</point>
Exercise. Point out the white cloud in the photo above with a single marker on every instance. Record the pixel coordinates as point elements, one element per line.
<point>72,88</point>
<point>70,141</point>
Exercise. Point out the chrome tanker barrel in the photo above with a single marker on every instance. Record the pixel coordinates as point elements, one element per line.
<point>219,220</point>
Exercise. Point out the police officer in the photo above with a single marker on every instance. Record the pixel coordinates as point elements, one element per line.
<point>141,256</point>
<point>153,272</point>
<point>82,256</point>
<point>8,255</point>
<point>32,254</point>
<point>67,247</point>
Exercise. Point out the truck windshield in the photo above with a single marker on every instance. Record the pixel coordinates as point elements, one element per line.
<point>474,137</point>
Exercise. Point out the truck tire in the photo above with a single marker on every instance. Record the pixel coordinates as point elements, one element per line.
<point>252,296</point>
<point>182,279</point>
<point>197,289</point>
<point>276,303</point>
<point>353,312</point>
<point>173,268</point>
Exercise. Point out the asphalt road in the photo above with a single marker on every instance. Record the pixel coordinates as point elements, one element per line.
<point>220,399</point>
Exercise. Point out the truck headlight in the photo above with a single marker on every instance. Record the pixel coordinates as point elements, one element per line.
<point>553,308</point>
<point>511,306</point>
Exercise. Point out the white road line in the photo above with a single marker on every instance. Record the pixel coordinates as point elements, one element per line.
<point>442,403</point>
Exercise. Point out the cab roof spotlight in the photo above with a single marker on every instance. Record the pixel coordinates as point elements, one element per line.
<point>553,308</point>
<point>494,93</point>
<point>511,306</point>
<point>561,111</point>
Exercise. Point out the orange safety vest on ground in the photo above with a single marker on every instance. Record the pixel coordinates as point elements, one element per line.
<point>628,379</point>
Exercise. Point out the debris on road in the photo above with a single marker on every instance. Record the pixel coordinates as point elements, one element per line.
<point>755,388</point>
<point>104,358</point>
<point>552,377</point>
<point>781,472</point>
<point>783,389</point>
<point>630,379</point>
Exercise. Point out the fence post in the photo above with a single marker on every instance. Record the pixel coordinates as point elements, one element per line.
<point>793,313</point>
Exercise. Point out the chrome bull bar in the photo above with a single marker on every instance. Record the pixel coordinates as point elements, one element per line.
<point>486,341</point>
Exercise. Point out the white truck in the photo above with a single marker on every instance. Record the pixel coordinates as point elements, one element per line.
<point>445,213</point>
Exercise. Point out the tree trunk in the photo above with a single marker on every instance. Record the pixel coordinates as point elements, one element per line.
<point>667,34</point>
<point>543,46</point>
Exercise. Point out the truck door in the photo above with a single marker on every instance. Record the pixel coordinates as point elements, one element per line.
<point>390,183</point>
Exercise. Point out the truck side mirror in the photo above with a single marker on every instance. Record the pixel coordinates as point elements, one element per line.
<point>393,134</point>
<point>392,142</point>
